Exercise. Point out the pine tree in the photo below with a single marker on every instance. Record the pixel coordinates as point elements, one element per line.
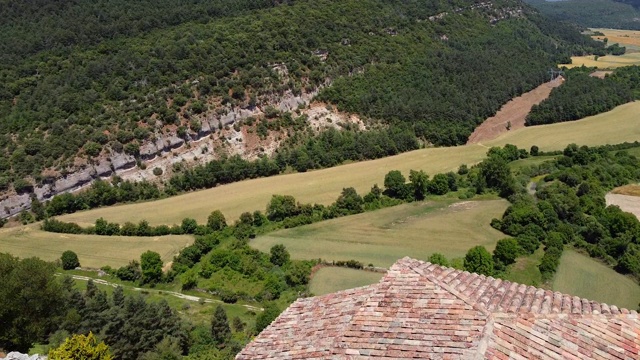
<point>118,297</point>
<point>220,330</point>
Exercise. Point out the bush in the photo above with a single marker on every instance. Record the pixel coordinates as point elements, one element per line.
<point>506,251</point>
<point>478,260</point>
<point>438,259</point>
<point>69,260</point>
<point>216,221</point>
<point>157,171</point>
<point>279,255</point>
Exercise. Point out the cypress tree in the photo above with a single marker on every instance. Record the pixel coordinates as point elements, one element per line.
<point>220,331</point>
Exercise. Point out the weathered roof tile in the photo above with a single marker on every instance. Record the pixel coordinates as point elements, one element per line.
<point>420,310</point>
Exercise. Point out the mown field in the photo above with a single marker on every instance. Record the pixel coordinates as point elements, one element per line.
<point>583,276</point>
<point>628,38</point>
<point>382,237</point>
<point>324,186</point>
<point>93,250</point>
<point>332,279</point>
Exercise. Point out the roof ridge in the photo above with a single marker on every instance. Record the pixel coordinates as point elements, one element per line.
<point>425,268</point>
<point>421,270</point>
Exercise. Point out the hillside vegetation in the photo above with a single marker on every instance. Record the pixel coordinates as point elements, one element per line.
<point>323,186</point>
<point>126,75</point>
<point>592,13</point>
<point>582,95</point>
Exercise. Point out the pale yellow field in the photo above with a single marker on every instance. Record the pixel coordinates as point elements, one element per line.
<point>605,62</point>
<point>628,38</point>
<point>622,37</point>
<point>384,236</point>
<point>324,186</point>
<point>93,250</point>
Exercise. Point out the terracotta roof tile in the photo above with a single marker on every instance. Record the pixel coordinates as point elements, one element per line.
<point>424,311</point>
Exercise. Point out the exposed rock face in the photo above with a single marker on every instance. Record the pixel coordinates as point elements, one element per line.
<point>103,169</point>
<point>75,180</point>
<point>122,161</point>
<point>19,356</point>
<point>162,152</point>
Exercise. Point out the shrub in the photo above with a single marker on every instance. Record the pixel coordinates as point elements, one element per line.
<point>438,259</point>
<point>478,260</point>
<point>69,260</point>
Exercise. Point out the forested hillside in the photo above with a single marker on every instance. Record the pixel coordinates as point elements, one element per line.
<point>583,95</point>
<point>82,79</point>
<point>616,14</point>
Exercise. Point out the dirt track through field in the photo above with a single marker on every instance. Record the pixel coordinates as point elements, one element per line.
<point>172,293</point>
<point>515,111</point>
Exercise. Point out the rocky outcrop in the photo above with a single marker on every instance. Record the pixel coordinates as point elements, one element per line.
<point>103,169</point>
<point>74,180</point>
<point>154,154</point>
<point>122,161</point>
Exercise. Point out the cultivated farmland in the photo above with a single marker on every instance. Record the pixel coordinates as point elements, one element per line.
<point>93,250</point>
<point>324,186</point>
<point>628,38</point>
<point>583,276</point>
<point>332,279</point>
<point>384,236</point>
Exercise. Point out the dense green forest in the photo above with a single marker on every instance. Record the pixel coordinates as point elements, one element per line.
<point>127,74</point>
<point>582,95</point>
<point>616,14</point>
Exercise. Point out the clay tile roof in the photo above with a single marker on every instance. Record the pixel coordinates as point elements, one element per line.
<point>425,311</point>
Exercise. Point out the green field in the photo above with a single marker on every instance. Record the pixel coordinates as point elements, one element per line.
<point>332,279</point>
<point>384,236</point>
<point>324,186</point>
<point>93,251</point>
<point>583,276</point>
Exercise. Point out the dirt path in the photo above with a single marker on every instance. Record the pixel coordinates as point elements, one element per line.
<point>172,293</point>
<point>515,111</point>
<point>627,203</point>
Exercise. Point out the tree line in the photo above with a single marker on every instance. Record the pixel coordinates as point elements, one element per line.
<point>582,95</point>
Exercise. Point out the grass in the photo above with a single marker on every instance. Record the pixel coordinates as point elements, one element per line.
<point>93,250</point>
<point>583,276</point>
<point>324,186</point>
<point>525,270</point>
<point>530,161</point>
<point>331,279</point>
<point>631,190</point>
<point>384,236</point>
<point>195,312</point>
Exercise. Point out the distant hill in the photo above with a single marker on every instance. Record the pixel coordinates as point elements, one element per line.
<point>622,14</point>
<point>81,81</point>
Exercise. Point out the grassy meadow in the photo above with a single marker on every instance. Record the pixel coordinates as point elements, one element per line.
<point>332,279</point>
<point>197,312</point>
<point>93,250</point>
<point>628,38</point>
<point>585,277</point>
<point>384,236</point>
<point>324,186</point>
